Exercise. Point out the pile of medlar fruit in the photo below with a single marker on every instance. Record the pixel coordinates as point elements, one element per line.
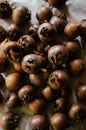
<point>40,62</point>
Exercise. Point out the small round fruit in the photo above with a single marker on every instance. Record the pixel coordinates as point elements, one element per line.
<point>31,63</point>
<point>39,122</point>
<point>47,33</point>
<point>77,67</point>
<point>27,43</point>
<point>72,29</point>
<point>77,112</point>
<point>60,23</point>
<point>58,54</point>
<point>58,79</point>
<point>59,121</point>
<point>12,100</point>
<point>37,106</point>
<point>21,15</point>
<point>10,120</point>
<point>81,92</point>
<point>14,81</point>
<point>26,93</point>
<point>74,48</point>
<point>13,32</point>
<point>39,79</point>
<point>49,94</point>
<point>44,13</point>
<point>12,51</point>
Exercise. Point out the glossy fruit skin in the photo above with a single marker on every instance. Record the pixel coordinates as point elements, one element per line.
<point>27,43</point>
<point>74,48</point>
<point>14,81</point>
<point>72,29</point>
<point>12,100</point>
<point>26,93</point>
<point>83,28</point>
<point>37,106</point>
<point>31,63</point>
<point>57,3</point>
<point>44,13</point>
<point>59,121</point>
<point>49,94</point>
<point>13,32</point>
<point>3,34</point>
<point>10,120</point>
<point>81,92</point>
<point>47,33</point>
<point>58,55</point>
<point>40,122</point>
<point>77,112</point>
<point>21,15</point>
<point>77,67</point>
<point>5,9</point>
<point>58,79</point>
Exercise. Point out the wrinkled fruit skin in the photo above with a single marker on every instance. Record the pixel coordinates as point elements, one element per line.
<point>58,55</point>
<point>31,63</point>
<point>47,33</point>
<point>58,79</point>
